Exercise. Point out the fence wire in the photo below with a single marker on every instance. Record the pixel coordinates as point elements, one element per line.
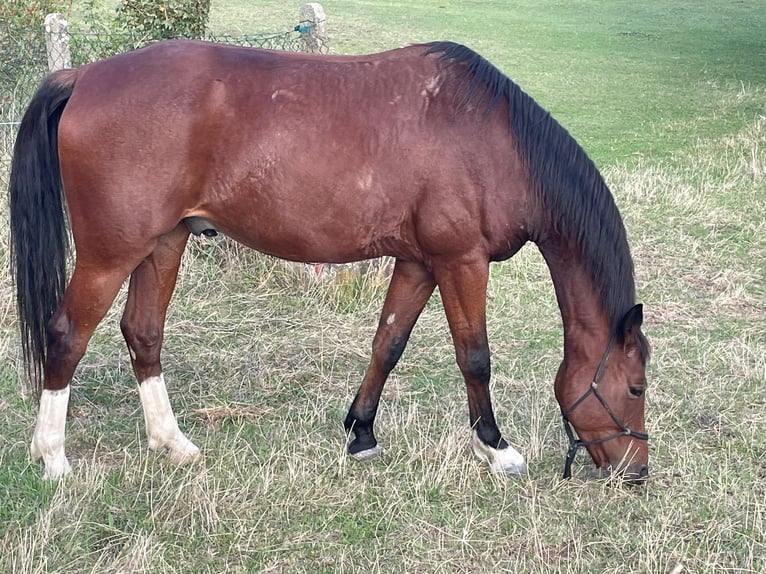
<point>23,62</point>
<point>92,46</point>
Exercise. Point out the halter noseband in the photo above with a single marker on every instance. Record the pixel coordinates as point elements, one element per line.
<point>575,443</point>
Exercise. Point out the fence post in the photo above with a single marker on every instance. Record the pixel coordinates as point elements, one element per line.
<point>313,28</point>
<point>57,42</point>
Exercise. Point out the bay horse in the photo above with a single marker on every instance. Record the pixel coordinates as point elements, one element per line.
<point>427,153</point>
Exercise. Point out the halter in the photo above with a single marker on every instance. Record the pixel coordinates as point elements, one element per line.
<point>575,443</point>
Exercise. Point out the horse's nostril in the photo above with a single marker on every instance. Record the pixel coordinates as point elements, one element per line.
<point>639,475</point>
<point>636,475</point>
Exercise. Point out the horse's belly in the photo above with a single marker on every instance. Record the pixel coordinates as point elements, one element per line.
<point>310,241</point>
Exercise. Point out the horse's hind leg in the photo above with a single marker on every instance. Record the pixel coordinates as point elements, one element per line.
<point>463,288</point>
<point>88,297</point>
<point>410,288</point>
<point>143,322</point>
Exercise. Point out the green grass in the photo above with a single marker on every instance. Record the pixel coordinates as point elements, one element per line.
<point>627,79</point>
<point>670,99</point>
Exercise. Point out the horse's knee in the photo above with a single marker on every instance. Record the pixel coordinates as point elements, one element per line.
<point>476,363</point>
<point>393,353</point>
<point>143,341</point>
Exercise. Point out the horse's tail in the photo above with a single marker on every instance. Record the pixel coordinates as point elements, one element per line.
<point>39,236</point>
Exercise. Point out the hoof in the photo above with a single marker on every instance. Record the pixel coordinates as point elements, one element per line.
<point>182,458</point>
<point>56,463</point>
<point>182,451</point>
<point>368,454</point>
<point>506,461</point>
<point>56,469</point>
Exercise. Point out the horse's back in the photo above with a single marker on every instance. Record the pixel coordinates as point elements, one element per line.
<point>303,156</point>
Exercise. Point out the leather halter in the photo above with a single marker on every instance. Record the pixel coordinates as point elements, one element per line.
<point>575,443</point>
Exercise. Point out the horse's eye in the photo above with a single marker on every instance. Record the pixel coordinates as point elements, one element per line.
<point>636,391</point>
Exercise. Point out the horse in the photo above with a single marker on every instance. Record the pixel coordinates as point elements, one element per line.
<point>427,153</point>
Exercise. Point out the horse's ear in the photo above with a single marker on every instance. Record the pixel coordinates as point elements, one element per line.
<point>630,327</point>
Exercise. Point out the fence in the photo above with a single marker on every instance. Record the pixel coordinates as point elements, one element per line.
<point>29,54</point>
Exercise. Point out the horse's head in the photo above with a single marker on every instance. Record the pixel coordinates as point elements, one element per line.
<point>602,397</point>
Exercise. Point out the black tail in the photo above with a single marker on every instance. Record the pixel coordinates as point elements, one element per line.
<point>39,236</point>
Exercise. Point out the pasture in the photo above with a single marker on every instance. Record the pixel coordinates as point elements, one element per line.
<point>670,101</point>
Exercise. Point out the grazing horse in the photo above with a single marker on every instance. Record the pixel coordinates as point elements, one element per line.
<point>427,153</point>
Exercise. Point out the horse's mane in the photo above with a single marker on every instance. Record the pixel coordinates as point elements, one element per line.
<point>580,203</point>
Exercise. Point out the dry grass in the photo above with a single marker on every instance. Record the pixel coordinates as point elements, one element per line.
<point>262,364</point>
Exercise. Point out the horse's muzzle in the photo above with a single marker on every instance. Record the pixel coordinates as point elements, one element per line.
<point>634,475</point>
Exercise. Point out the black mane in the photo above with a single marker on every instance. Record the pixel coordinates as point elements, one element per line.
<point>581,205</point>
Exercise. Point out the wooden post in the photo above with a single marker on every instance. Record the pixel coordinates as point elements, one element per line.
<point>313,28</point>
<point>57,42</point>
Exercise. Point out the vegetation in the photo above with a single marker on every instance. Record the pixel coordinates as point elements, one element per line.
<point>22,42</point>
<point>670,99</point>
<point>167,19</point>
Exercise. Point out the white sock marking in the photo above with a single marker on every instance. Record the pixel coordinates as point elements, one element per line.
<point>48,440</point>
<point>506,461</point>
<point>161,424</point>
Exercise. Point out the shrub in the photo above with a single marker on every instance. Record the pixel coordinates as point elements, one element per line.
<point>22,48</point>
<point>20,15</point>
<point>162,19</point>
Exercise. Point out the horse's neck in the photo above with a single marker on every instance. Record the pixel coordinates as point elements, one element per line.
<point>586,326</point>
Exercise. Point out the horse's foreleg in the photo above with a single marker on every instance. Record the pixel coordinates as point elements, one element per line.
<point>151,287</point>
<point>410,288</point>
<point>463,288</point>
<point>88,296</point>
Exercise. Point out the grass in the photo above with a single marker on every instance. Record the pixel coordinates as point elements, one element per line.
<point>628,80</point>
<point>262,364</point>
